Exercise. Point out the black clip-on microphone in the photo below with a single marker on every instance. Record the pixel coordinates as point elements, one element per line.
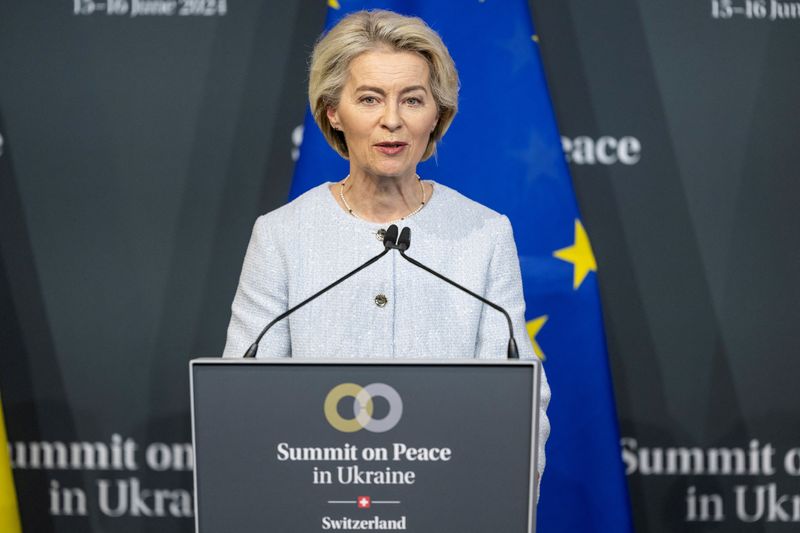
<point>389,243</point>
<point>404,243</point>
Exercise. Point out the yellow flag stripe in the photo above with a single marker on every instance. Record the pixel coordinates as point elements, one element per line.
<point>9,514</point>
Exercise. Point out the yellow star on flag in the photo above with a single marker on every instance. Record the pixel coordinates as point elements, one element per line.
<point>580,255</point>
<point>533,327</point>
<point>334,4</point>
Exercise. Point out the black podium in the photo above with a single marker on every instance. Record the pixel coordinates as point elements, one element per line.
<point>287,445</point>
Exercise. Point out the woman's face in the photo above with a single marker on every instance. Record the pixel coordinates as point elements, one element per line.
<point>387,113</point>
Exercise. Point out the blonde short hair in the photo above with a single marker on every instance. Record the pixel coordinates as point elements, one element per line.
<point>365,31</point>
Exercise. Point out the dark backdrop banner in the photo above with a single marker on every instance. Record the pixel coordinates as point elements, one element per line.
<point>140,139</point>
<point>139,144</point>
<point>676,118</point>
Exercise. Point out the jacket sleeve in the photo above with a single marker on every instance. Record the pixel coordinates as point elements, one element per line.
<point>504,287</point>
<point>261,296</point>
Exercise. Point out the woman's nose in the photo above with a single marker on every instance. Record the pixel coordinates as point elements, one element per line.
<point>391,117</point>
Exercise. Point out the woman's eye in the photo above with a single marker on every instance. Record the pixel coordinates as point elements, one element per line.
<point>368,100</point>
<point>414,101</point>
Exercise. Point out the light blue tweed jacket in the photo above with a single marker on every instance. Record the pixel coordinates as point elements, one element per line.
<point>299,248</point>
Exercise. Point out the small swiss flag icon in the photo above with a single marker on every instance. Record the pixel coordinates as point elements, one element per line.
<point>364,502</point>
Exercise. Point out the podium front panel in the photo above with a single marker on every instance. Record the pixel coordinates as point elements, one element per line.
<point>302,446</point>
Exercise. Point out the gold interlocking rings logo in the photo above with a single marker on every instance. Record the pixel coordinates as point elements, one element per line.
<point>363,407</point>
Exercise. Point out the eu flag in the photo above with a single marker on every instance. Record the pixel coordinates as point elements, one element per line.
<point>504,151</point>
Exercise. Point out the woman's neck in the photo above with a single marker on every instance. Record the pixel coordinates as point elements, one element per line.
<point>381,199</point>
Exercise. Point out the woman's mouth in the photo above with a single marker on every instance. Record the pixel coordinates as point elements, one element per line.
<point>390,148</point>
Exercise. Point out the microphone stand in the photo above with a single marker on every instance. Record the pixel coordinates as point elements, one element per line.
<point>404,242</point>
<point>388,242</point>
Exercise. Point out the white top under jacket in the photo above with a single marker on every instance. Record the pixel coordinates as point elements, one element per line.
<point>308,243</point>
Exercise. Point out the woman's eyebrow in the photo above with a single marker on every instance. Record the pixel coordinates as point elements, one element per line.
<point>369,88</point>
<point>414,88</point>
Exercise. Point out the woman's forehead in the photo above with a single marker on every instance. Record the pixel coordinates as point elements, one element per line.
<point>388,69</point>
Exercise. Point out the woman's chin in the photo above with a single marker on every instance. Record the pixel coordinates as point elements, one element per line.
<point>392,172</point>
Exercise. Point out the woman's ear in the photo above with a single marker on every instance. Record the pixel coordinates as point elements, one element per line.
<point>333,118</point>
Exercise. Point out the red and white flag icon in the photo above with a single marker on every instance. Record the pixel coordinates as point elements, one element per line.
<point>364,502</point>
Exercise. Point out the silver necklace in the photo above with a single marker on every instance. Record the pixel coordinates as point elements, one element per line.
<point>411,214</point>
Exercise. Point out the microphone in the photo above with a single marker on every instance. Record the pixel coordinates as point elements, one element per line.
<point>389,243</point>
<point>404,243</point>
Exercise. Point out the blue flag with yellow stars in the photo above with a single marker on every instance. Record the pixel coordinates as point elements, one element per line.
<point>503,150</point>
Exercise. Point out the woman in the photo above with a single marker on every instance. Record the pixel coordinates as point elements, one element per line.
<point>383,89</point>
